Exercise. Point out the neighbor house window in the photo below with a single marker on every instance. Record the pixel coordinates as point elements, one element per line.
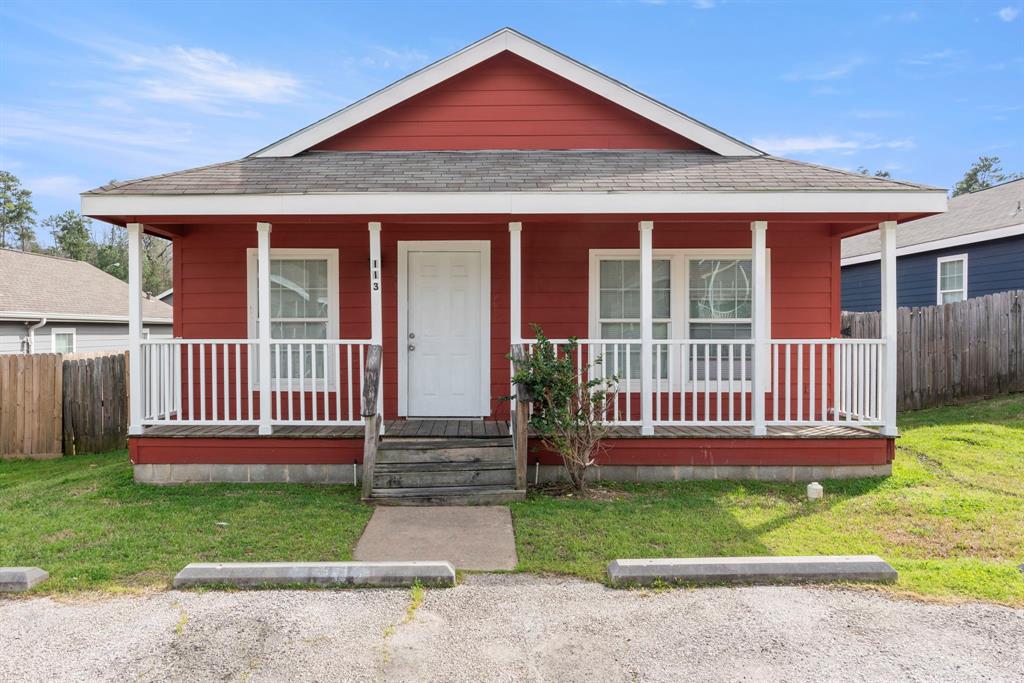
<point>303,306</point>
<point>695,295</point>
<point>952,274</point>
<point>64,340</point>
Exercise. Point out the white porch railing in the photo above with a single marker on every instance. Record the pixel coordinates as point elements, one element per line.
<point>709,382</point>
<point>216,381</point>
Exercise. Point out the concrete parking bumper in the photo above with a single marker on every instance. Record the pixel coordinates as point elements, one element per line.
<point>21,579</point>
<point>767,570</point>
<point>258,574</point>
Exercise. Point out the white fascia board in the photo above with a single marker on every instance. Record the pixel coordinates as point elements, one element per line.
<point>946,243</point>
<point>77,317</point>
<point>543,56</point>
<point>512,203</point>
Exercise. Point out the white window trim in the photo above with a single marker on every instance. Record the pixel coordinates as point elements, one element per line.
<point>64,330</point>
<point>333,302</point>
<point>680,284</point>
<point>939,291</point>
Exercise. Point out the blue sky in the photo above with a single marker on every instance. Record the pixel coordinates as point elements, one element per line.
<point>99,91</point>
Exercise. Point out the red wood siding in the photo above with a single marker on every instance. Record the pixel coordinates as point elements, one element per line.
<point>506,102</point>
<point>210,278</point>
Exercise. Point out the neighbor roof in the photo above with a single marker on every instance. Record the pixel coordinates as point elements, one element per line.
<point>63,289</point>
<point>979,216</point>
<point>508,40</point>
<point>534,171</point>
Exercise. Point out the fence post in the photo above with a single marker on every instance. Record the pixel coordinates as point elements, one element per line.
<point>371,415</point>
<point>520,418</point>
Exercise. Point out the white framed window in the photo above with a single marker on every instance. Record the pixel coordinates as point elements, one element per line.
<point>63,340</point>
<point>303,306</point>
<point>951,276</point>
<point>696,294</point>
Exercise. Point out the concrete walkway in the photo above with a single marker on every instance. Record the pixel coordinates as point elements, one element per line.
<point>475,538</point>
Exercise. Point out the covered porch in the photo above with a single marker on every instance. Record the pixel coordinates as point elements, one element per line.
<point>673,372</point>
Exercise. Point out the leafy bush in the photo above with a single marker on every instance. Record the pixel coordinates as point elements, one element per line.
<point>569,403</point>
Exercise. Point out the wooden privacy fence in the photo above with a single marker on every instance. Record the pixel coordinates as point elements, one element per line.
<point>30,405</point>
<point>52,404</point>
<point>95,404</point>
<point>947,353</point>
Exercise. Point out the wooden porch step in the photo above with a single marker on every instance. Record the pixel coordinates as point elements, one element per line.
<point>447,495</point>
<point>444,471</point>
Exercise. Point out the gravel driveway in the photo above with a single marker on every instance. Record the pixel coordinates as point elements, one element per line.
<point>509,627</point>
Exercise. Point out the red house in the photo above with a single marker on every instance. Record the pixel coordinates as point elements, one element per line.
<point>503,186</point>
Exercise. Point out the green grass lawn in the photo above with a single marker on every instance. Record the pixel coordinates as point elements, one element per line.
<point>950,519</point>
<point>83,519</point>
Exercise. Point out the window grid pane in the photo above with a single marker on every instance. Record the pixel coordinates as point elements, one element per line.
<point>299,307</point>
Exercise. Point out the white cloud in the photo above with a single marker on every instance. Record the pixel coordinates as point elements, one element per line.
<point>202,77</point>
<point>904,17</point>
<point>931,57</point>
<point>60,186</point>
<point>380,57</point>
<point>826,143</point>
<point>826,90</point>
<point>871,114</point>
<point>703,4</point>
<point>1008,13</point>
<point>825,72</point>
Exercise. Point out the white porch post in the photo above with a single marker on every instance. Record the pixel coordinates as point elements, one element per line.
<point>377,307</point>
<point>135,327</point>
<point>887,231</point>
<point>646,327</point>
<point>759,321</point>
<point>515,231</point>
<point>263,289</point>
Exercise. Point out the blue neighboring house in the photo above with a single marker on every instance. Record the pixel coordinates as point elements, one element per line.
<point>975,248</point>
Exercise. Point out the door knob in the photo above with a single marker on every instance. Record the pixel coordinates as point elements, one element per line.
<point>412,335</point>
<point>412,347</point>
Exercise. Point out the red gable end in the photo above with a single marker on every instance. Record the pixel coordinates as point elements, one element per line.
<point>506,102</point>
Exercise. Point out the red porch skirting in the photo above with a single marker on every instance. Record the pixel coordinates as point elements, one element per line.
<point>682,451</point>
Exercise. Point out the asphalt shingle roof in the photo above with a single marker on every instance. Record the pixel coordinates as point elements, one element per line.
<point>52,285</point>
<point>996,207</point>
<point>505,171</point>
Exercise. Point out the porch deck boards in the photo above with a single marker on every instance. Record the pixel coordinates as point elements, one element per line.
<point>489,429</point>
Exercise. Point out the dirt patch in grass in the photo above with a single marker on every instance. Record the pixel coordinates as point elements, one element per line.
<point>593,492</point>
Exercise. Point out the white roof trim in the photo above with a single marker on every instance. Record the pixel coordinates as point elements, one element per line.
<point>531,50</point>
<point>513,203</point>
<point>946,243</point>
<point>77,317</point>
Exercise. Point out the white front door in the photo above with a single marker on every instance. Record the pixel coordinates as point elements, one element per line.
<point>446,336</point>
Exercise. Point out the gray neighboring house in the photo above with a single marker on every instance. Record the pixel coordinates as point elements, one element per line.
<point>48,304</point>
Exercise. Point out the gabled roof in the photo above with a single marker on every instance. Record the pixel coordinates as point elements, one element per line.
<point>981,216</point>
<point>35,285</point>
<point>533,171</point>
<point>508,40</point>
